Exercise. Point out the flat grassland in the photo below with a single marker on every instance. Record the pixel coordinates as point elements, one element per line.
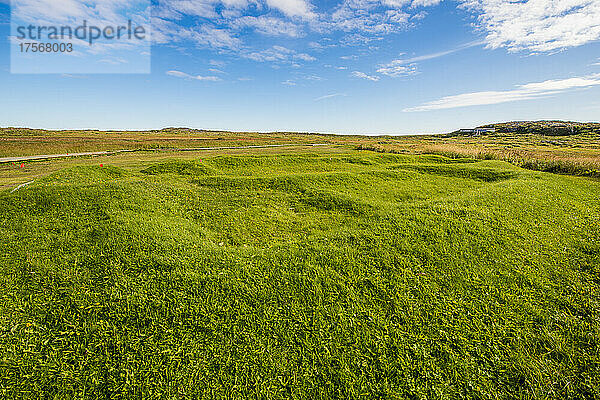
<point>577,154</point>
<point>297,273</point>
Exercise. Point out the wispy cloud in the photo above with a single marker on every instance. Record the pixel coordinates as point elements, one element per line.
<point>425,3</point>
<point>279,54</point>
<point>179,74</point>
<point>217,63</point>
<point>537,25</point>
<point>113,61</point>
<point>369,17</point>
<point>395,69</point>
<point>293,8</point>
<point>408,66</point>
<point>439,54</point>
<point>522,92</point>
<point>329,96</point>
<point>73,76</point>
<point>362,75</point>
<point>208,36</point>
<point>269,25</point>
<point>224,24</point>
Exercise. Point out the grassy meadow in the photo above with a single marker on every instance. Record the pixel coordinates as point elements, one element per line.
<point>523,144</point>
<point>324,272</point>
<point>27,142</point>
<point>577,154</point>
<point>298,273</point>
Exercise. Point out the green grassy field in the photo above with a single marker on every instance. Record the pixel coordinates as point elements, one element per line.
<point>527,147</point>
<point>332,273</point>
<point>26,142</point>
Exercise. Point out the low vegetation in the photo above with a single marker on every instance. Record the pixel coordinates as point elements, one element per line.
<point>331,274</point>
<point>572,154</point>
<point>26,142</point>
<point>551,146</point>
<point>547,128</point>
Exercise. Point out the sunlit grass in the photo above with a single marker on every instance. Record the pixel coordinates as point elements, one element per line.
<point>321,275</point>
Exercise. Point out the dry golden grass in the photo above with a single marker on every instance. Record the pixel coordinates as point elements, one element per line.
<point>25,142</point>
<point>576,155</point>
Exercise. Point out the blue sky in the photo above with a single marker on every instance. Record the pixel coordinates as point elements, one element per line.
<point>344,66</point>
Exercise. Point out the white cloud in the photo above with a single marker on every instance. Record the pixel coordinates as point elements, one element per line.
<point>217,63</point>
<point>329,96</point>
<point>47,12</point>
<point>215,37</point>
<point>222,24</point>
<point>356,39</point>
<point>231,8</point>
<point>425,3</point>
<point>179,74</point>
<point>407,66</point>
<point>316,46</point>
<point>362,75</point>
<point>522,92</point>
<point>293,8</point>
<point>392,3</point>
<point>374,17</point>
<point>397,69</point>
<point>312,78</point>
<point>439,54</point>
<point>268,25</point>
<point>169,32</point>
<point>113,61</point>
<point>278,54</point>
<point>304,57</point>
<point>175,9</point>
<point>537,25</point>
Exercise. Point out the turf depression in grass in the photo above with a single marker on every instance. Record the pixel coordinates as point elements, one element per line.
<point>301,276</point>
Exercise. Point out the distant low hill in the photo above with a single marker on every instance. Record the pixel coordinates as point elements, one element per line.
<point>548,128</point>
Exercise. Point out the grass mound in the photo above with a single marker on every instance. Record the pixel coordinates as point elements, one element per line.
<point>329,276</point>
<point>482,174</point>
<point>180,168</point>
<point>85,175</point>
